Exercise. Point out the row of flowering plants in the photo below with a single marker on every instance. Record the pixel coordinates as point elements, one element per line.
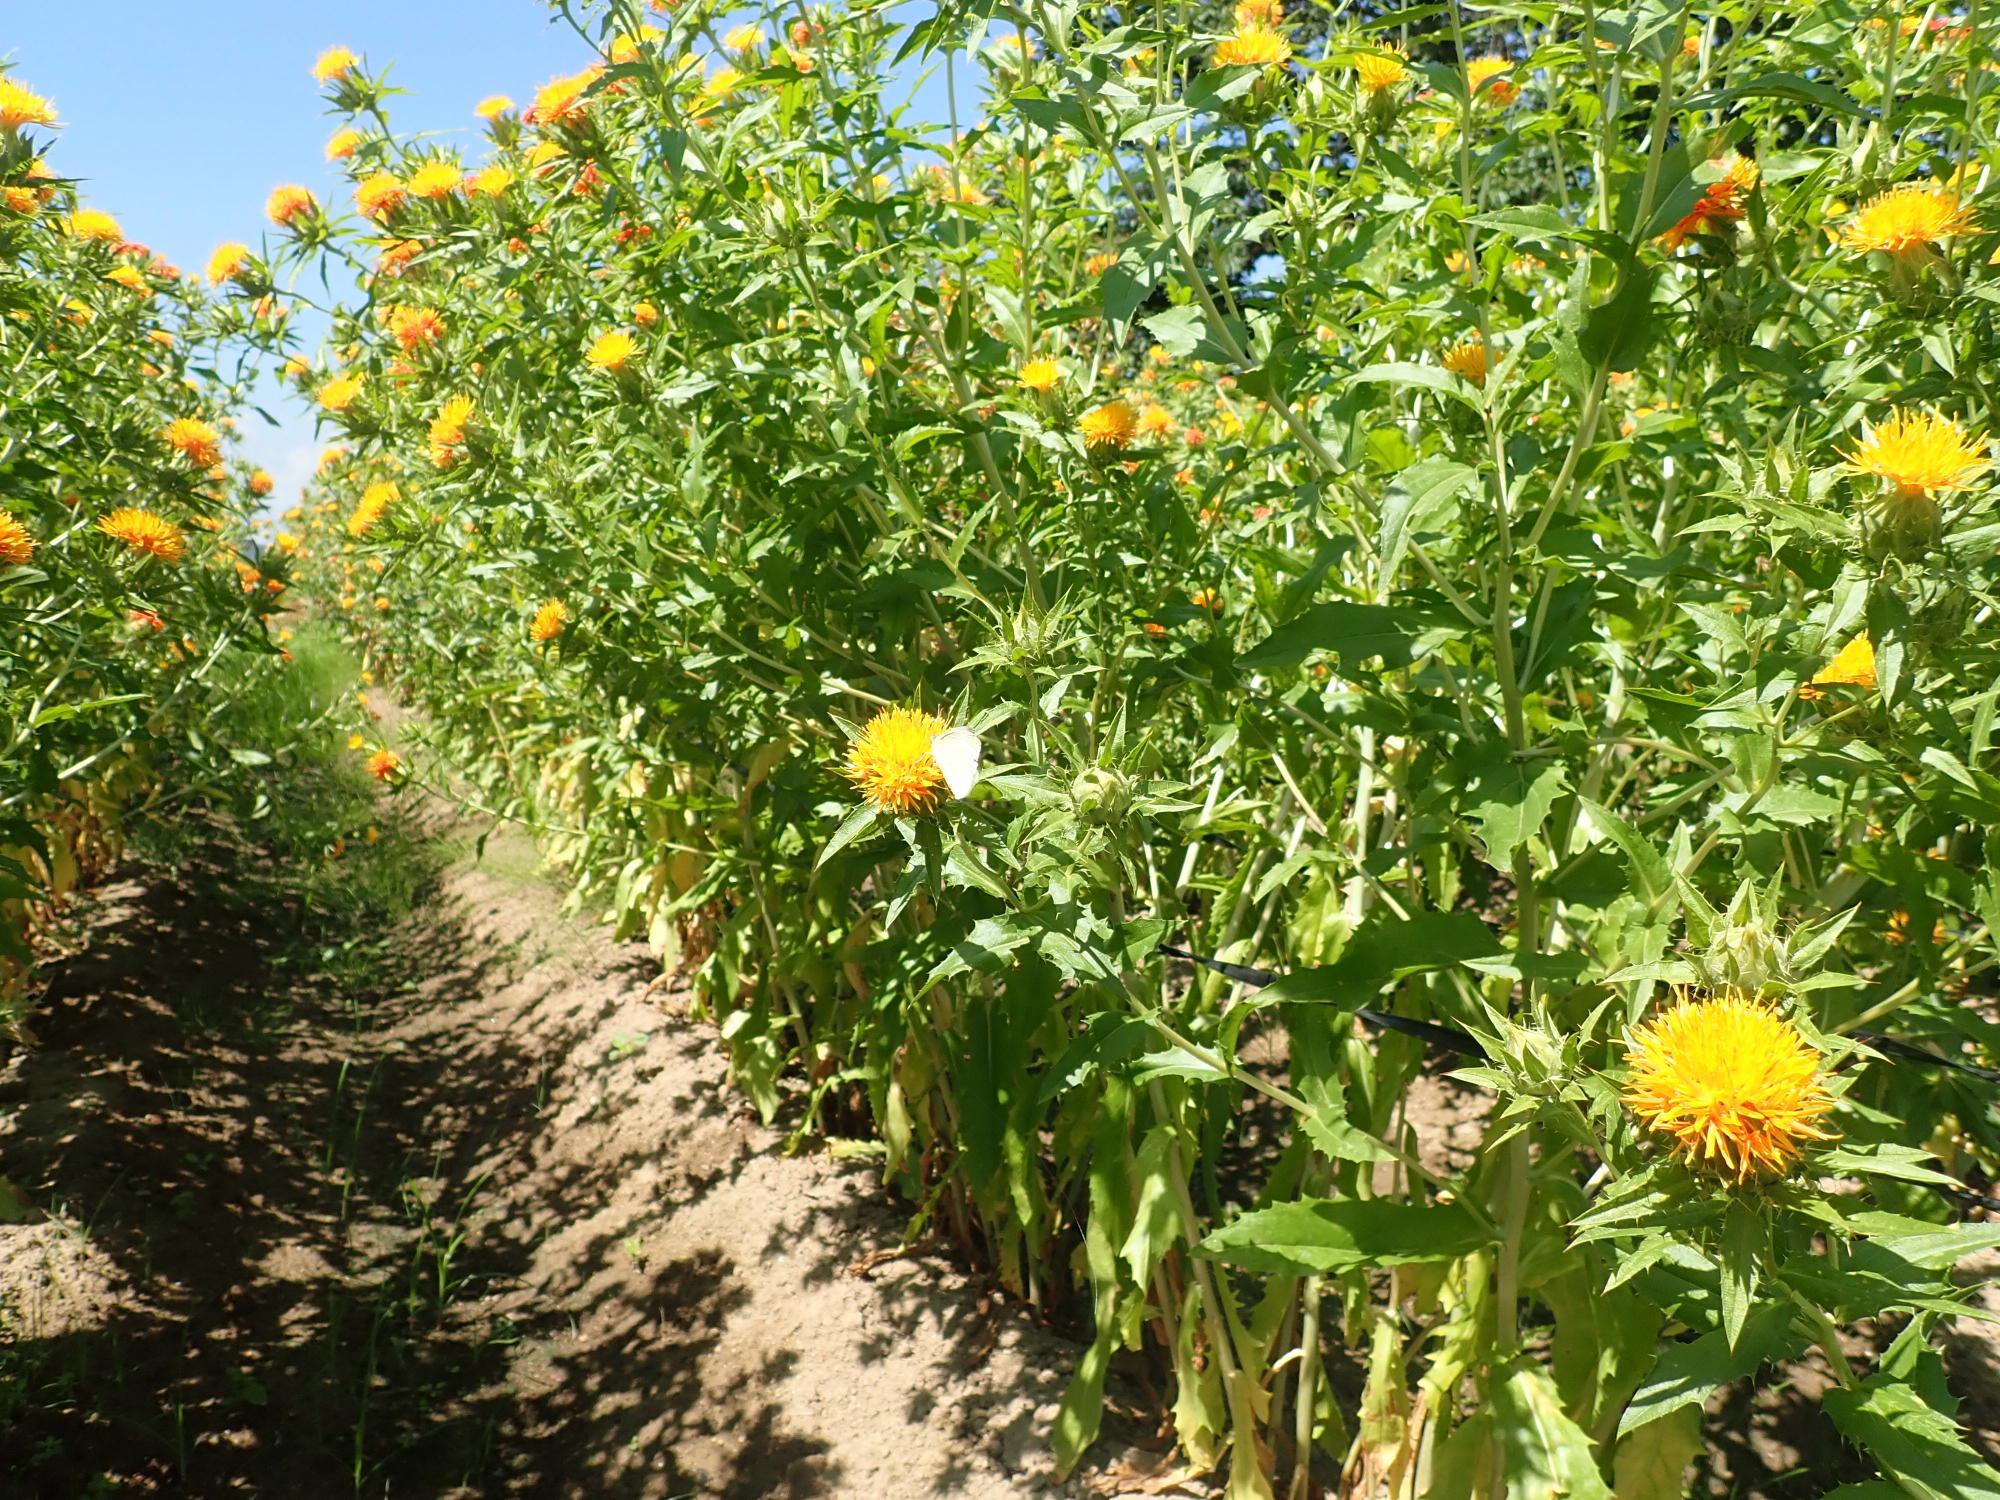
<point>1474,526</point>
<point>132,605</point>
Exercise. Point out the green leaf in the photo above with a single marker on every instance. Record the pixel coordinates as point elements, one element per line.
<point>1651,1459</point>
<point>1917,1447</point>
<point>1179,329</point>
<point>1648,867</point>
<point>1419,495</point>
<point>1686,1373</point>
<point>1742,1248</point>
<point>1884,1159</point>
<point>1385,948</point>
<point>1340,1138</point>
<point>1354,633</point>
<point>852,827</point>
<point>1930,1247</point>
<point>1157,1224</point>
<point>1342,1234</point>
<point>1780,86</point>
<point>1616,334</point>
<point>1107,1040</point>
<point>57,713</point>
<point>1509,800</point>
<point>1543,1454</point>
<point>1424,377</point>
<point>1539,222</point>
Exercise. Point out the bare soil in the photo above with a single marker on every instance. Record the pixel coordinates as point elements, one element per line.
<point>498,1227</point>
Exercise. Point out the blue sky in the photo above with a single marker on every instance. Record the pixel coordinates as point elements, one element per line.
<point>180,116</point>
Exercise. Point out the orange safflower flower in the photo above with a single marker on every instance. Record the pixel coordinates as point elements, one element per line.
<point>1721,202</point>
<point>17,545</point>
<point>1108,426</point>
<point>611,351</point>
<point>561,100</point>
<point>1852,666</point>
<point>380,195</point>
<point>416,327</point>
<point>1487,74</point>
<point>549,619</point>
<point>890,761</point>
<point>1919,453</point>
<point>1731,1081</point>
<point>194,440</point>
<point>144,532</point>
<point>1910,220</point>
<point>435,180</point>
<point>1467,360</point>
<point>93,224</point>
<point>447,432</point>
<point>289,201</point>
<point>333,63</point>
<point>20,106</point>
<point>1253,46</point>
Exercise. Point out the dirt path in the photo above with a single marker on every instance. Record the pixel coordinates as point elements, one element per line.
<point>497,1227</point>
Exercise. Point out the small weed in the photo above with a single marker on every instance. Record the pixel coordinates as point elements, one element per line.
<point>623,1047</point>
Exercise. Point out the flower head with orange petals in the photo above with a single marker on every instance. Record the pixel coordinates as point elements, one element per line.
<point>1467,360</point>
<point>94,224</point>
<point>17,544</point>
<point>561,100</point>
<point>1489,83</point>
<point>341,392</point>
<point>1919,453</point>
<point>447,434</point>
<point>435,180</point>
<point>143,532</point>
<point>1720,203</point>
<point>1253,47</point>
<point>549,619</point>
<point>890,760</point>
<point>289,202</point>
<point>381,195</point>
<point>1108,426</point>
<point>333,64</point>
<point>1852,666</point>
<point>375,500</point>
<point>416,327</point>
<point>1041,375</point>
<point>194,440</point>
<point>1733,1084</point>
<point>20,106</point>
<point>611,351</point>
<point>1379,72</point>
<point>1910,220</point>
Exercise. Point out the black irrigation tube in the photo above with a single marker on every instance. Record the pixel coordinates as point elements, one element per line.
<point>1451,1039</point>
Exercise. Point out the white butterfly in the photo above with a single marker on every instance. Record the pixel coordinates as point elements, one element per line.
<point>956,752</point>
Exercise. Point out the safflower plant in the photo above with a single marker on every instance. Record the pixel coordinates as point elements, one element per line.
<point>1256,573</point>
<point>130,623</point>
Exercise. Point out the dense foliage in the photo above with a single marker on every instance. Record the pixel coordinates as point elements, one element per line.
<point>133,605</point>
<point>1539,602</point>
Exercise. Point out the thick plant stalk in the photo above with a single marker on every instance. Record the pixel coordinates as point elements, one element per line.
<point>1302,1414</point>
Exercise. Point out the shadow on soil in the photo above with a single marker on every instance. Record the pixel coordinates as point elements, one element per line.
<point>292,1237</point>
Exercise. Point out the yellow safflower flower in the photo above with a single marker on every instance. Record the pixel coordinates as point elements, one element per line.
<point>891,763</point>
<point>1731,1081</point>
